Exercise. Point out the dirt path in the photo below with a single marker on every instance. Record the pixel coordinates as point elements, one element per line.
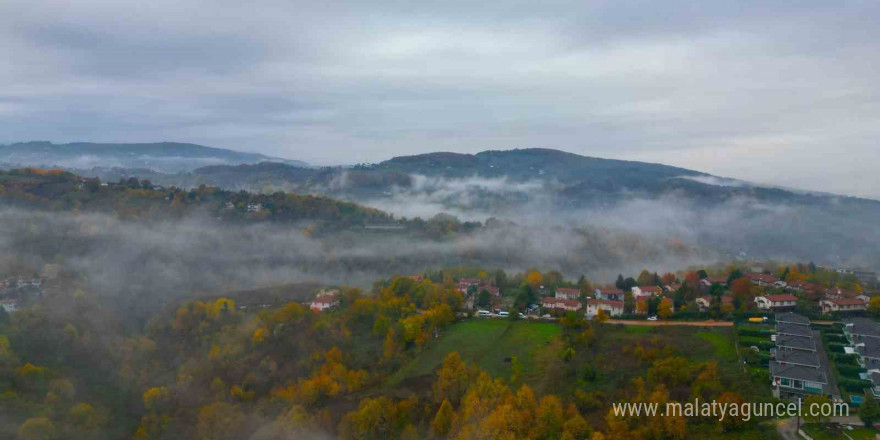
<point>672,323</point>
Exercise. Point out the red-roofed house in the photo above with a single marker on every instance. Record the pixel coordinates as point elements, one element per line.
<point>561,304</point>
<point>323,302</point>
<point>706,283</point>
<point>647,291</point>
<point>610,294</point>
<point>830,305</point>
<point>775,302</point>
<point>612,308</point>
<point>567,293</point>
<point>762,279</point>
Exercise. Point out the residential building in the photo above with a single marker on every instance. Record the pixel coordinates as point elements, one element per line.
<point>792,318</point>
<point>610,294</point>
<point>567,293</point>
<point>762,279</point>
<point>611,307</point>
<point>569,305</point>
<point>790,342</point>
<point>860,329</point>
<point>776,302</point>
<point>646,291</point>
<point>324,302</point>
<point>831,305</point>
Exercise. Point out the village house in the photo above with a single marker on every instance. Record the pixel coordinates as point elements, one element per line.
<point>610,294</point>
<point>567,293</point>
<point>704,302</point>
<point>776,302</point>
<point>762,279</point>
<point>646,291</point>
<point>570,305</point>
<point>706,283</point>
<point>830,305</point>
<point>671,288</point>
<point>612,308</point>
<point>868,353</point>
<point>464,284</point>
<point>254,207</point>
<point>324,301</point>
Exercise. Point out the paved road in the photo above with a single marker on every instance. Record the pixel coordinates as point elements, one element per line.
<point>788,427</point>
<point>672,323</point>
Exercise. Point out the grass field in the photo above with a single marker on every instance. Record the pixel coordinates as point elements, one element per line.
<point>488,343</point>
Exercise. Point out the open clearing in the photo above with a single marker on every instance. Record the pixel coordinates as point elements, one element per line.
<point>489,343</point>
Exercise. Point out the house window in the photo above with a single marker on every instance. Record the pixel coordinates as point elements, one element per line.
<point>785,382</point>
<point>798,384</point>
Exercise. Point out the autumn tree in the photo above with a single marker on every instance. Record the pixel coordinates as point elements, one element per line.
<point>874,306</point>
<point>452,380</point>
<point>664,309</point>
<point>219,421</point>
<point>442,422</point>
<point>645,278</point>
<point>38,428</point>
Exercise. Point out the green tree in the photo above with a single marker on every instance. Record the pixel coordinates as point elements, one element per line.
<point>818,402</point>
<point>869,411</point>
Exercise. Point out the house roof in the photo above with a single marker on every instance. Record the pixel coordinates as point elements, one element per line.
<point>610,291</point>
<point>566,302</point>
<point>715,280</point>
<point>605,302</point>
<point>784,328</point>
<point>792,318</point>
<point>568,290</point>
<point>797,372</point>
<point>869,348</point>
<point>325,299</point>
<point>800,357</point>
<point>762,277</point>
<point>780,298</point>
<point>654,289</point>
<point>798,342</point>
<point>863,327</point>
<point>846,301</point>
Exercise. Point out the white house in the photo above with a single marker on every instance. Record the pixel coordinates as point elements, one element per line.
<point>561,304</point>
<point>612,308</point>
<point>610,294</point>
<point>323,302</point>
<point>830,305</point>
<point>648,291</point>
<point>774,302</point>
<point>567,293</point>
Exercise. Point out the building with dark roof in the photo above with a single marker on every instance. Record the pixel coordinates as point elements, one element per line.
<point>792,318</point>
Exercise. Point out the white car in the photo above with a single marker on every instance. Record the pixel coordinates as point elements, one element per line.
<point>503,314</point>
<point>652,318</point>
<point>484,313</point>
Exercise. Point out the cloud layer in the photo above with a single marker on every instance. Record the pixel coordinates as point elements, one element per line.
<point>779,93</point>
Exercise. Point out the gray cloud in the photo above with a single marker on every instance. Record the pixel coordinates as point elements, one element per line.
<point>779,93</point>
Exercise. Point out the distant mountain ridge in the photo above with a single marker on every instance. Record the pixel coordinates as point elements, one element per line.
<point>166,157</point>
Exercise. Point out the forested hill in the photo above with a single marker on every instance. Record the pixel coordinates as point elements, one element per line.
<point>62,191</point>
<point>168,157</point>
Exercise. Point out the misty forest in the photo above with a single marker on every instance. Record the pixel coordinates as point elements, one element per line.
<point>280,301</point>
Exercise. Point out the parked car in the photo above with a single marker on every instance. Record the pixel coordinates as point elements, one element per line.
<point>652,318</point>
<point>503,314</point>
<point>484,313</point>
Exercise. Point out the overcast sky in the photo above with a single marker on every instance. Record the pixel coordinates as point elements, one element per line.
<point>785,93</point>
